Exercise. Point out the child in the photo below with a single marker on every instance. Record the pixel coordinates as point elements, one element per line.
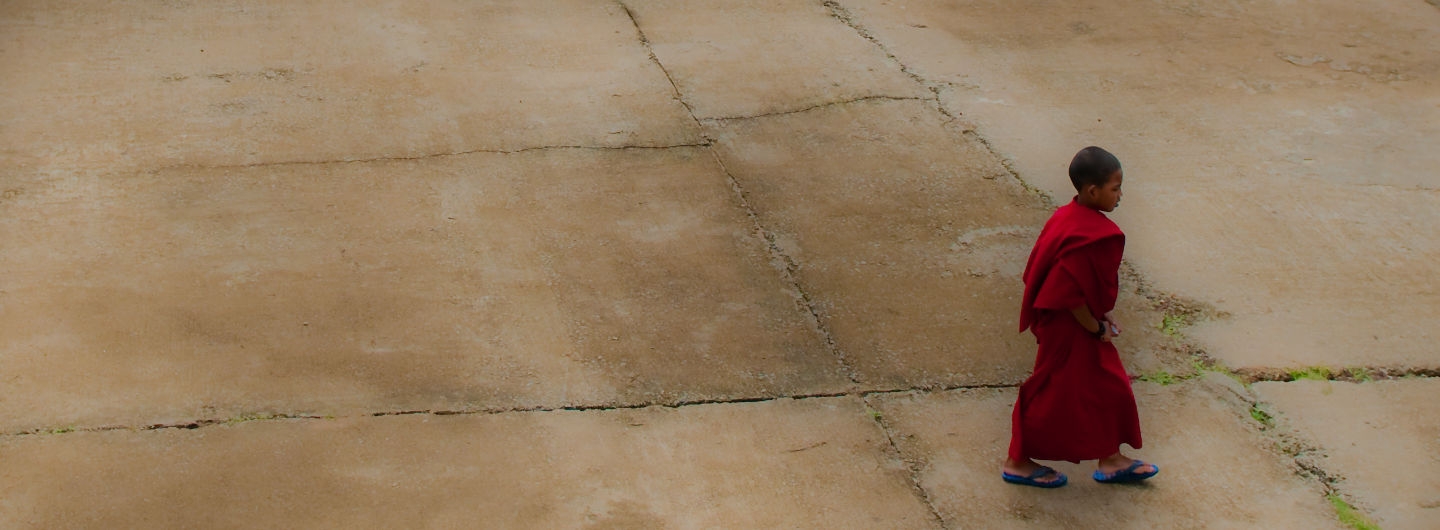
<point>1078,404</point>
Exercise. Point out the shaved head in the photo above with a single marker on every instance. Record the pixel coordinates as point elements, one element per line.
<point>1092,166</point>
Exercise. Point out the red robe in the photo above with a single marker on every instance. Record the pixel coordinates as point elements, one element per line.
<point>1077,405</point>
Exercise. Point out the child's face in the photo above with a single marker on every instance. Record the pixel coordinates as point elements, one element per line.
<point>1106,198</point>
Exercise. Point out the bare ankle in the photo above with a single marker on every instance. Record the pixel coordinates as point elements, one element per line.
<point>1024,465</point>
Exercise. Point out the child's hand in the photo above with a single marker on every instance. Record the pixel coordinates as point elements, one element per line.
<point>1115,327</point>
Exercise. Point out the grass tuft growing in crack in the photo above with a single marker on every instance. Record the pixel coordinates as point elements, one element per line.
<point>1260,415</point>
<point>911,464</point>
<point>1349,516</point>
<point>253,416</point>
<point>1313,373</point>
<point>874,414</point>
<point>1199,366</point>
<point>1360,374</point>
<point>1171,324</point>
<point>1161,377</point>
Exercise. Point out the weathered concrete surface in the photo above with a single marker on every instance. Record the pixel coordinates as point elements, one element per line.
<point>1381,437</point>
<point>546,278</point>
<point>138,83</point>
<point>817,463</point>
<point>911,238</point>
<point>178,243</point>
<point>763,56</point>
<point>1215,473</point>
<point>1279,157</point>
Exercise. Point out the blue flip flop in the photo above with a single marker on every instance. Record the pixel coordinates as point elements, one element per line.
<point>1030,480</point>
<point>1125,475</point>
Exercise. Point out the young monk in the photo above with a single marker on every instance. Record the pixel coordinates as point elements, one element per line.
<point>1078,404</point>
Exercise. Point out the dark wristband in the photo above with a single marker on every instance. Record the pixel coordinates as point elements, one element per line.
<point>1099,333</point>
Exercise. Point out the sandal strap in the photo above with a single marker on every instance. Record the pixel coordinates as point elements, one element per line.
<point>1044,470</point>
<point>1134,465</point>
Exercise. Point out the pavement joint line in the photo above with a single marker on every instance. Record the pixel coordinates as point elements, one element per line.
<point>1359,374</point>
<point>789,273</point>
<point>912,468</point>
<point>1298,449</point>
<point>520,150</point>
<point>854,392</point>
<point>880,97</point>
<point>789,266</point>
<point>645,41</point>
<point>843,14</point>
<point>1418,188</point>
<point>490,411</point>
<point>1294,445</point>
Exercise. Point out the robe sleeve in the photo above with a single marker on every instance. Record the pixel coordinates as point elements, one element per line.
<point>1087,276</point>
<point>1060,290</point>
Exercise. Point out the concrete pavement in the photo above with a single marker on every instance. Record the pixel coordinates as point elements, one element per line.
<point>566,264</point>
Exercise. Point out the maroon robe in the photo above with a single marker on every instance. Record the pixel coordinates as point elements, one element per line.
<point>1077,405</point>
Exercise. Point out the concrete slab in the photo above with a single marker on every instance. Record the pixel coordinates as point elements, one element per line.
<point>545,278</point>
<point>959,439</point>
<point>910,238</point>
<point>140,83</point>
<point>177,243</point>
<point>1279,159</point>
<point>757,57</point>
<point>817,463</point>
<point>1382,437</point>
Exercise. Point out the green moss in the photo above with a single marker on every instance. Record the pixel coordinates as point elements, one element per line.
<point>1201,365</point>
<point>1261,416</point>
<point>1314,373</point>
<point>1361,374</point>
<point>250,417</point>
<point>1349,516</point>
<point>1173,323</point>
<point>1161,377</point>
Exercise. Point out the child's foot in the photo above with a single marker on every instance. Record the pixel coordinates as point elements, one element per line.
<point>1120,468</point>
<point>1029,473</point>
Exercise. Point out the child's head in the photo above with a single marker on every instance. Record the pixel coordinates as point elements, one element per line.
<point>1097,177</point>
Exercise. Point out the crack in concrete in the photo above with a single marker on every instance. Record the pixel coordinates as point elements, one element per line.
<point>914,467</point>
<point>487,411</point>
<point>185,425</point>
<point>843,14</point>
<point>789,273</point>
<point>816,106</point>
<point>1289,443</point>
<point>807,448</point>
<point>1357,374</point>
<point>788,266</point>
<point>706,143</point>
<point>645,41</point>
<point>1009,166</point>
<point>1424,373</point>
<point>1417,188</point>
